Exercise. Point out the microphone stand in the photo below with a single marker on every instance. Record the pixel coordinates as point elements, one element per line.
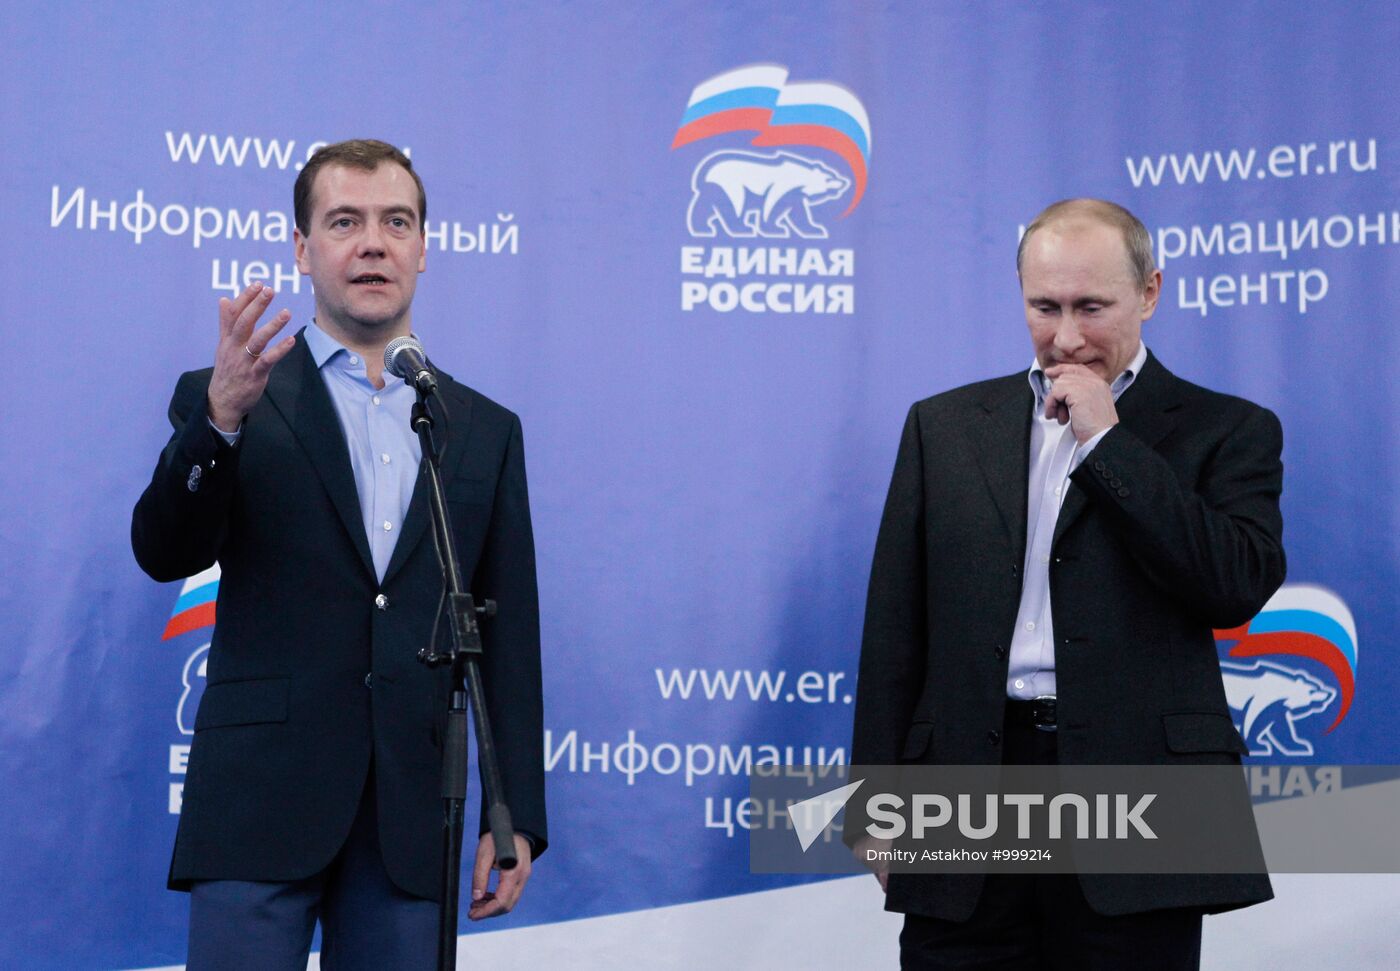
<point>463,657</point>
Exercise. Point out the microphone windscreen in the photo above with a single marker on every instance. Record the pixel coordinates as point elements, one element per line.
<point>391,354</point>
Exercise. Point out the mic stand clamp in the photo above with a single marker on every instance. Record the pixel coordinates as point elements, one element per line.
<point>463,611</point>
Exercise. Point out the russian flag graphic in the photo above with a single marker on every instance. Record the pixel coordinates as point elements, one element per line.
<point>759,99</point>
<point>1304,620</point>
<point>195,607</point>
<point>738,100</point>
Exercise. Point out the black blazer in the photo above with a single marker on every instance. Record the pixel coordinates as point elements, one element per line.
<point>1171,528</point>
<point>312,668</point>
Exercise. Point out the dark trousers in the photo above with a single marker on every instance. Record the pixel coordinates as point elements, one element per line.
<point>1029,922</point>
<point>366,921</point>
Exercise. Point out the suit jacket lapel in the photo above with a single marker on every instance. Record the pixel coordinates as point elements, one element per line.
<point>1145,409</point>
<point>1002,441</point>
<point>296,389</point>
<point>452,442</point>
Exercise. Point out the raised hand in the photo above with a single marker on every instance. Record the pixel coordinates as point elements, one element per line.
<point>244,357</point>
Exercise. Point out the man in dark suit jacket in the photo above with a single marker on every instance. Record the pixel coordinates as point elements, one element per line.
<point>1055,550</point>
<point>313,787</point>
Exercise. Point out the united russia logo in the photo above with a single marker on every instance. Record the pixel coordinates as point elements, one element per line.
<point>816,170</point>
<point>1296,659</point>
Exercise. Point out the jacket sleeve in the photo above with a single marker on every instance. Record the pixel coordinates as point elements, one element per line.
<point>894,646</point>
<point>180,521</point>
<point>510,663</point>
<point>1218,548</point>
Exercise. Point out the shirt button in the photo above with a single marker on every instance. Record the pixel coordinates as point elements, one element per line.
<point>388,525</point>
<point>382,602</point>
<point>1044,558</point>
<point>375,399</point>
<point>1020,683</point>
<point>384,457</point>
<point>1030,625</point>
<point>1057,489</point>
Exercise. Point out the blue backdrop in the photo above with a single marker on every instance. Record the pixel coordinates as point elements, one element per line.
<point>711,397</point>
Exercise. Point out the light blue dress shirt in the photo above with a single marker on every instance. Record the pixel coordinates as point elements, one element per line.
<point>384,450</point>
<point>1055,453</point>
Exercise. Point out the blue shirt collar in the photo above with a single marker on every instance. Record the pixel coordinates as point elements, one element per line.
<point>322,346</point>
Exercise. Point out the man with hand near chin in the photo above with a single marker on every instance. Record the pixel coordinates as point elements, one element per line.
<point>313,790</point>
<point>1056,548</point>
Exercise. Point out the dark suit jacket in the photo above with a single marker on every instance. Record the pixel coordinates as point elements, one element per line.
<point>310,674</point>
<point>1170,528</point>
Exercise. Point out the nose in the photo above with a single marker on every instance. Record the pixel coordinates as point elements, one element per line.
<point>1068,337</point>
<point>372,240</point>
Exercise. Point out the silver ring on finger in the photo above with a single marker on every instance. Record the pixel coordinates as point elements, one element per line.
<point>247,350</point>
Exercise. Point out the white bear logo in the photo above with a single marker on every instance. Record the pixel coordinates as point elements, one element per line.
<point>747,194</point>
<point>1267,698</point>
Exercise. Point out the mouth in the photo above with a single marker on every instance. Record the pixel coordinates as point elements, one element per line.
<point>370,280</point>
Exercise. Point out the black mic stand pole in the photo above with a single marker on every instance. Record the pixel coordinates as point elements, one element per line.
<point>466,687</point>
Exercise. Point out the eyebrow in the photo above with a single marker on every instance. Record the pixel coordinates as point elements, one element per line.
<point>1081,302</point>
<point>357,211</point>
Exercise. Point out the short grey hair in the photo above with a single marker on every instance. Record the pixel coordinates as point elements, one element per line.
<point>1136,238</point>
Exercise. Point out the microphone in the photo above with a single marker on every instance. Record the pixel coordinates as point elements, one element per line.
<point>404,358</point>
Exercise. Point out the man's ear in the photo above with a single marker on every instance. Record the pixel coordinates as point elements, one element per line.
<point>1151,294</point>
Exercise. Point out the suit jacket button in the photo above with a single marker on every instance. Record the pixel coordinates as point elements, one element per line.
<point>1098,465</point>
<point>192,483</point>
<point>1123,492</point>
<point>1001,651</point>
<point>994,737</point>
<point>1116,483</point>
<point>382,602</point>
<point>369,680</point>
